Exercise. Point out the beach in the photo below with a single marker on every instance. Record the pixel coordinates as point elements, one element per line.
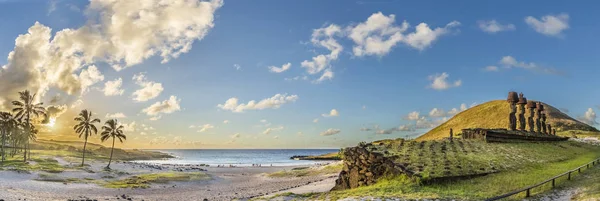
<point>224,183</point>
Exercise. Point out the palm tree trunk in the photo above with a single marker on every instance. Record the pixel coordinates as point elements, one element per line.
<point>84,144</point>
<point>27,138</point>
<point>28,149</point>
<point>111,152</point>
<point>2,151</point>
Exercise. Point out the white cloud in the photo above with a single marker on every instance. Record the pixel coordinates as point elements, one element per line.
<point>412,116</point>
<point>205,127</point>
<point>89,77</point>
<point>273,102</point>
<point>113,88</point>
<point>276,69</point>
<point>269,130</point>
<point>237,66</point>
<point>323,37</point>
<point>155,118</point>
<point>332,113</point>
<point>118,115</point>
<point>549,25</point>
<point>297,78</point>
<point>276,137</point>
<point>378,35</point>
<point>234,136</point>
<point>330,131</point>
<point>491,69</point>
<point>453,112</point>
<point>463,106</point>
<point>77,103</point>
<point>435,112</point>
<point>440,83</point>
<point>192,126</point>
<point>149,90</point>
<point>226,121</point>
<point>492,26</point>
<point>589,117</point>
<point>511,62</point>
<point>118,33</point>
<point>327,75</point>
<point>131,127</point>
<point>168,106</point>
<point>316,120</point>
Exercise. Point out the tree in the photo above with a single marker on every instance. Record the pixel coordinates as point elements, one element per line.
<point>112,129</point>
<point>86,128</point>
<point>31,135</point>
<point>25,108</point>
<point>7,124</point>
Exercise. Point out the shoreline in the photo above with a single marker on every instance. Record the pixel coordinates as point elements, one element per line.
<point>226,183</point>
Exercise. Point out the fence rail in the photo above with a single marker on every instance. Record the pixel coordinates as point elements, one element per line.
<point>527,190</point>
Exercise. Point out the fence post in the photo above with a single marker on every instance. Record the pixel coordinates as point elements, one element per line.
<point>528,194</point>
<point>553,183</point>
<point>579,170</point>
<point>569,178</point>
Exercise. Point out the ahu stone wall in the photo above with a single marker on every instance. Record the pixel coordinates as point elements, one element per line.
<point>363,167</point>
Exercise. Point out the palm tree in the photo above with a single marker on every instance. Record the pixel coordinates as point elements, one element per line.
<point>112,129</point>
<point>86,128</point>
<point>7,123</point>
<point>25,108</point>
<point>31,135</point>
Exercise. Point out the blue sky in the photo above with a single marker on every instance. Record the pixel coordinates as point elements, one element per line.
<point>547,50</point>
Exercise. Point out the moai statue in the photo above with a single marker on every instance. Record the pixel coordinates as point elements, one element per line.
<point>543,120</point>
<point>538,116</point>
<point>512,99</point>
<point>549,129</point>
<point>522,102</point>
<point>451,135</point>
<point>531,106</point>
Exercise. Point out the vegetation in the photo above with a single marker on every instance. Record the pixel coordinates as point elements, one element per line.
<point>496,168</point>
<point>86,128</point>
<point>25,109</point>
<point>308,171</point>
<point>111,129</point>
<point>144,180</point>
<point>494,114</point>
<point>328,156</point>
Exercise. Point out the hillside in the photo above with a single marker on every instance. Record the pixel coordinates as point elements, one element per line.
<point>494,114</point>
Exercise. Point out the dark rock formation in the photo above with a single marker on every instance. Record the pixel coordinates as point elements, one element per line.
<point>363,167</point>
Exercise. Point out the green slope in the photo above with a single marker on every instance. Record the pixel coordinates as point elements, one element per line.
<point>494,114</point>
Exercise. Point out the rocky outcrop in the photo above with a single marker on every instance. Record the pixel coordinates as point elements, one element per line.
<point>364,167</point>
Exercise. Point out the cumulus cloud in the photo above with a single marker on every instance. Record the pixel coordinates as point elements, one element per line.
<point>205,127</point>
<point>167,106</point>
<point>332,113</point>
<point>549,25</point>
<point>117,115</point>
<point>491,69</point>
<point>113,87</point>
<point>439,82</point>
<point>316,120</point>
<point>492,26</point>
<point>436,112</point>
<point>118,33</point>
<point>226,121</point>
<point>54,111</point>
<point>130,127</point>
<point>149,90</point>
<point>378,35</point>
<point>276,69</point>
<point>510,62</point>
<point>237,66</point>
<point>269,130</point>
<point>327,75</point>
<point>324,37</point>
<point>273,103</point>
<point>77,103</point>
<point>589,117</point>
<point>234,136</point>
<point>412,116</point>
<point>330,131</point>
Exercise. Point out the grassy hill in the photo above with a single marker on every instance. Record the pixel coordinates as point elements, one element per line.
<point>494,114</point>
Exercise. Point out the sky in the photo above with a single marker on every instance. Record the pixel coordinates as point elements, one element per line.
<point>291,74</point>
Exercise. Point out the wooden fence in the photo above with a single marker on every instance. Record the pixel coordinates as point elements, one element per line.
<point>527,190</point>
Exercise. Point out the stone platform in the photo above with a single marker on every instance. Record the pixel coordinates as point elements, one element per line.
<point>504,135</point>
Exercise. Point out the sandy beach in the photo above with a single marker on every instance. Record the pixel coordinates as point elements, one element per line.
<point>225,183</point>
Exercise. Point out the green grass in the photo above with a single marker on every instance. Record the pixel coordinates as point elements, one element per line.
<point>494,114</point>
<point>36,164</point>
<point>310,171</point>
<point>144,180</point>
<point>516,165</point>
<point>56,178</point>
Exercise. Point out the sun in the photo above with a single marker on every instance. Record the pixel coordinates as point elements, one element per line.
<point>51,122</point>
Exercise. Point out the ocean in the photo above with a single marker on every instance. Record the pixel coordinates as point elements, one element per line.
<point>239,157</point>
